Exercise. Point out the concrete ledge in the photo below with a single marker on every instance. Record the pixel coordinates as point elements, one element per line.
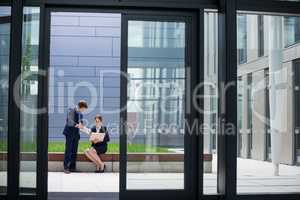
<point>132,167</point>
<point>137,162</point>
<point>154,157</point>
<point>134,157</point>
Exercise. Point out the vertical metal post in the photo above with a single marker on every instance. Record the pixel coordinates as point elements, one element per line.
<point>227,136</point>
<point>15,62</point>
<point>42,125</point>
<point>200,74</point>
<point>123,105</point>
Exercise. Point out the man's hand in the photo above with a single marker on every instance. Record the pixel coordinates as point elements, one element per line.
<point>80,126</point>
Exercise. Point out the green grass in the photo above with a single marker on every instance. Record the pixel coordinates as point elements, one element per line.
<point>112,148</point>
<point>83,145</point>
<point>25,147</point>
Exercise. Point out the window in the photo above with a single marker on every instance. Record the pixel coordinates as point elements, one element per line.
<point>292,30</point>
<point>28,90</point>
<point>156,105</point>
<point>5,13</point>
<point>267,110</point>
<point>210,102</point>
<point>267,163</point>
<point>239,114</point>
<point>242,38</point>
<point>249,115</point>
<point>297,108</point>
<point>260,28</point>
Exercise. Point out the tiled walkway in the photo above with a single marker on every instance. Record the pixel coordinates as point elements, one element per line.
<point>253,177</point>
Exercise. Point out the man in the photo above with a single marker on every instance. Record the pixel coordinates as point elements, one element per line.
<point>72,133</point>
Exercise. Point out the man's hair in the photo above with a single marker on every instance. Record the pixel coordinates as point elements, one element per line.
<point>99,117</point>
<point>82,104</point>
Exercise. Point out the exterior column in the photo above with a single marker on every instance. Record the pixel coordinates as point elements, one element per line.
<point>276,93</point>
<point>245,120</point>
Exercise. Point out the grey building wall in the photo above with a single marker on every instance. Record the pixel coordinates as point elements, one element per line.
<point>84,64</point>
<point>258,120</point>
<point>256,66</point>
<point>244,139</point>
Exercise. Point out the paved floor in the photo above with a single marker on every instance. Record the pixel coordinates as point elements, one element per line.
<point>253,177</point>
<point>83,196</point>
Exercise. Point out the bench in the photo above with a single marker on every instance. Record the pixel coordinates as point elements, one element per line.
<point>137,162</point>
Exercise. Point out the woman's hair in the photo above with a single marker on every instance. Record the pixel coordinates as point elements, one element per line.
<point>82,104</point>
<point>99,117</point>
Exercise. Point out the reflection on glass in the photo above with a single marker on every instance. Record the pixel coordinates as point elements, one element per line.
<point>261,35</point>
<point>4,78</point>
<point>98,51</point>
<point>249,117</point>
<point>267,124</point>
<point>155,108</point>
<point>242,38</point>
<point>297,108</point>
<point>267,112</point>
<point>292,30</point>
<point>240,97</point>
<point>28,92</point>
<point>210,103</point>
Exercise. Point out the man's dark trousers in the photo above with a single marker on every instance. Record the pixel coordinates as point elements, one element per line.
<point>71,152</point>
<point>72,135</point>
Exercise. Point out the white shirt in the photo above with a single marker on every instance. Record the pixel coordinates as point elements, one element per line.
<point>98,129</point>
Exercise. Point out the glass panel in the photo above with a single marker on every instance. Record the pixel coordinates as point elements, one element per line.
<point>267,124</point>
<point>292,30</point>
<point>89,70</point>
<point>155,107</point>
<point>5,13</point>
<point>210,102</point>
<point>260,35</point>
<point>29,91</point>
<point>297,108</point>
<point>266,109</point>
<point>242,38</point>
<point>249,115</point>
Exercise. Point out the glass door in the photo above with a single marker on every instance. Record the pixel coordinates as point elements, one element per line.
<point>5,14</point>
<point>155,140</point>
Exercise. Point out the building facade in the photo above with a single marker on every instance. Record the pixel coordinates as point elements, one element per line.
<point>254,139</point>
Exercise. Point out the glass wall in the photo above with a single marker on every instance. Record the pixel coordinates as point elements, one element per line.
<point>155,107</point>
<point>5,13</point>
<point>28,101</point>
<point>266,162</point>
<point>242,38</point>
<point>89,69</point>
<point>267,124</point>
<point>260,35</point>
<point>210,102</point>
<point>249,115</point>
<point>297,109</point>
<point>292,30</point>
<point>240,101</point>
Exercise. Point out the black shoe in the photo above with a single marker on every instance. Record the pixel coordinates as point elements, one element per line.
<point>101,171</point>
<point>67,171</point>
<point>75,170</point>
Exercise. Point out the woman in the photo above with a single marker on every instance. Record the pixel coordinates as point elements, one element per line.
<point>99,148</point>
